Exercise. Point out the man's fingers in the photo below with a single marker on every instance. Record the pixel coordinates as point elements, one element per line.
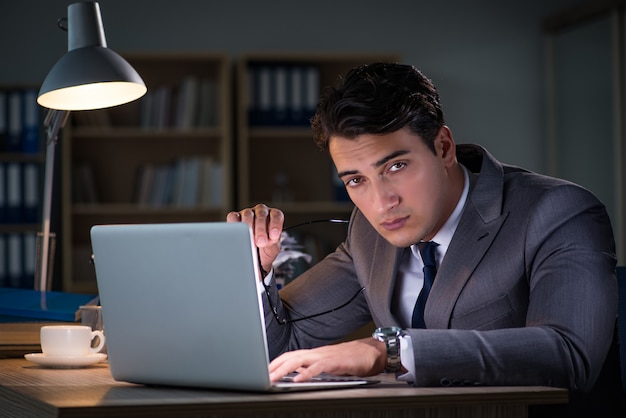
<point>266,224</point>
<point>275,224</point>
<point>307,363</point>
<point>261,214</point>
<point>233,217</point>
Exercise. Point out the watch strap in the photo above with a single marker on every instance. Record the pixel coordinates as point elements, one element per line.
<point>391,337</point>
<point>393,355</point>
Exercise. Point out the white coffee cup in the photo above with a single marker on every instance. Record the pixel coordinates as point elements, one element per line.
<point>70,340</point>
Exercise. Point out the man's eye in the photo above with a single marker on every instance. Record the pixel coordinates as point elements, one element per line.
<point>397,166</point>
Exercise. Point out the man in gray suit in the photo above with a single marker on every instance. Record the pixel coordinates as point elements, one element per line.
<point>525,290</point>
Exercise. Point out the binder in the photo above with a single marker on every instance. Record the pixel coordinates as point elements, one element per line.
<point>31,138</point>
<point>312,92</point>
<point>33,304</point>
<point>186,112</point>
<point>264,103</point>
<point>217,181</point>
<point>13,192</point>
<point>208,104</point>
<point>296,96</point>
<point>279,109</point>
<point>191,182</point>
<point>253,95</point>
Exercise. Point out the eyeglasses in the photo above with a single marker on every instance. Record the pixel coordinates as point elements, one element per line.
<point>334,221</point>
<point>283,321</point>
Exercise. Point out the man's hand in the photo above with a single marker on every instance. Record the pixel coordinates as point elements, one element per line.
<point>266,224</point>
<point>365,357</point>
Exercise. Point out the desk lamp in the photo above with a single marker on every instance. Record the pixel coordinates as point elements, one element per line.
<point>89,76</point>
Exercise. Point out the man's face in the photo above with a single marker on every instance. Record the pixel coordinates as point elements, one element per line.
<point>404,190</point>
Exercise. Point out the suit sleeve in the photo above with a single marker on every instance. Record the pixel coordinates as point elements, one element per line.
<point>326,286</point>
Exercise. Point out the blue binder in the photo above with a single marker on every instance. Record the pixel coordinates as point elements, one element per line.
<point>27,304</point>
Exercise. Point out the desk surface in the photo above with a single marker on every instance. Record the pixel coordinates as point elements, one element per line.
<point>30,390</point>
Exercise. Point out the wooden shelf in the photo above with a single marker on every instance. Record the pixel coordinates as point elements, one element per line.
<point>20,157</point>
<point>18,228</point>
<point>106,153</point>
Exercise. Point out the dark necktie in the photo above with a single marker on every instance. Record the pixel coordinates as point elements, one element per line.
<point>427,251</point>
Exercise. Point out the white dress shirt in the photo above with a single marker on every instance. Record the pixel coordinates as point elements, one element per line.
<point>410,279</point>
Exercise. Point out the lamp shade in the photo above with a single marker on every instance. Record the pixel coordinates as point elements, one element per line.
<point>90,75</point>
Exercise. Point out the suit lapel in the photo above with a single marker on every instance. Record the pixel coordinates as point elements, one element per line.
<point>481,220</point>
<point>458,265</point>
<point>383,278</point>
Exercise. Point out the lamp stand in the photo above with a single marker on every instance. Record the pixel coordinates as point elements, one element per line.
<point>53,122</point>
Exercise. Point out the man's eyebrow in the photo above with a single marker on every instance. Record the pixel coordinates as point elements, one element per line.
<point>391,156</point>
<point>377,164</point>
<point>347,173</point>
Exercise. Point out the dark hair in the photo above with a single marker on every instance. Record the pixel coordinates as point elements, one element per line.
<point>378,98</point>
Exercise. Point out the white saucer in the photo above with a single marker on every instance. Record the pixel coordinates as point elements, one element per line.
<point>65,362</point>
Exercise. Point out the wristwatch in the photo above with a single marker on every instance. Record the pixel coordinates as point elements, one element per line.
<point>391,337</point>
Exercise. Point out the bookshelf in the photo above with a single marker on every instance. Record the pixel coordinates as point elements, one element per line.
<point>277,161</point>
<point>164,158</point>
<point>21,167</point>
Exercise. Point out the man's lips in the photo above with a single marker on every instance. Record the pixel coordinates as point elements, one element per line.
<point>393,224</point>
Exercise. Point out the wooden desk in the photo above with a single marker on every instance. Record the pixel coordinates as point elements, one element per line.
<point>27,390</point>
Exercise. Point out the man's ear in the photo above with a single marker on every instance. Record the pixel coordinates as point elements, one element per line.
<point>444,144</point>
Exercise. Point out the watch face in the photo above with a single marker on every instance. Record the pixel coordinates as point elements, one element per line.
<point>387,332</point>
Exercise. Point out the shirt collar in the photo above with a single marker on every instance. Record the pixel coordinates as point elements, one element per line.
<point>444,235</point>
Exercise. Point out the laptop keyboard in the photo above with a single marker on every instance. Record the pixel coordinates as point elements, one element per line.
<point>327,378</point>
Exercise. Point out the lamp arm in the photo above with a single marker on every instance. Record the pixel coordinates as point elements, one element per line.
<point>53,123</point>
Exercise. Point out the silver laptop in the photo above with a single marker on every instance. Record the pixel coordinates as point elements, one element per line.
<point>181,307</point>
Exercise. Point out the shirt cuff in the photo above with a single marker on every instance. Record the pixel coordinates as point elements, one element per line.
<point>407,359</point>
<point>266,281</point>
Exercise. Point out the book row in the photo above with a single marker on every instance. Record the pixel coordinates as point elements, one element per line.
<point>190,104</point>
<point>17,259</point>
<point>20,192</point>
<point>185,183</point>
<point>20,117</point>
<point>282,94</point>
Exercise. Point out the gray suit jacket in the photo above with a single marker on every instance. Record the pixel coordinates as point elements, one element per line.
<point>525,295</point>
